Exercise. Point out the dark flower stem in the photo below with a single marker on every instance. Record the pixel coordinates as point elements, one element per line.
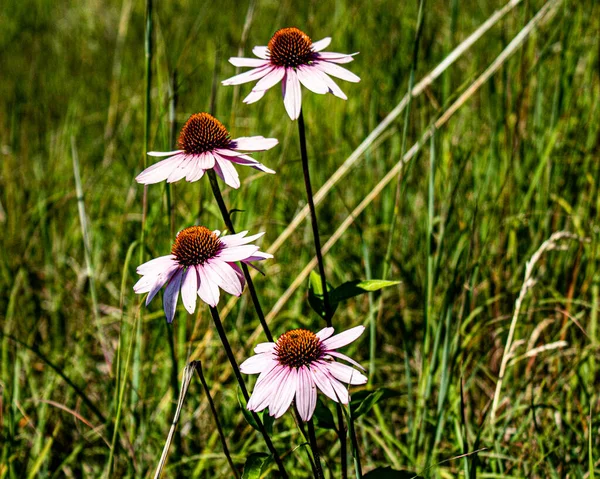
<point>315,449</point>
<point>238,375</point>
<point>227,218</point>
<point>326,304</point>
<point>198,367</point>
<point>313,217</point>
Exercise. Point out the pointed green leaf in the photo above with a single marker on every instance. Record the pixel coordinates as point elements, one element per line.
<point>324,416</point>
<point>256,464</point>
<point>315,294</point>
<point>363,401</point>
<point>354,288</point>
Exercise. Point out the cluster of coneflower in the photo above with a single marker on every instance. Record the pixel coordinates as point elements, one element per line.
<point>204,261</point>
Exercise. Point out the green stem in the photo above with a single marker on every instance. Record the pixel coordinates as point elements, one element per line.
<point>315,449</point>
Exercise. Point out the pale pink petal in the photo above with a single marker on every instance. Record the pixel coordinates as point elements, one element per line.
<point>346,374</point>
<point>247,62</point>
<point>292,95</point>
<point>182,169</point>
<point>239,273</point>
<point>322,381</point>
<point>189,289</point>
<point>336,57</point>
<point>254,96</point>
<point>246,160</point>
<point>171,295</point>
<point>237,253</point>
<point>264,347</point>
<point>284,395</point>
<point>333,86</point>
<point>240,239</point>
<point>336,71</point>
<point>265,387</point>
<point>321,44</point>
<point>325,333</point>
<point>270,79</point>
<point>206,160</point>
<point>229,281</point>
<point>341,391</point>
<point>306,394</point>
<point>254,143</point>
<point>311,80</point>
<point>258,256</point>
<point>335,354</point>
<point>261,52</point>
<point>160,281</point>
<point>207,289</point>
<point>156,265</point>
<point>248,76</point>
<point>229,174</point>
<point>342,339</point>
<point>257,364</point>
<point>159,171</point>
<point>195,172</point>
<point>164,153</point>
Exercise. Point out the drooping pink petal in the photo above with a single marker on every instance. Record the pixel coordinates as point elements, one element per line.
<point>332,85</point>
<point>346,374</point>
<point>206,160</point>
<point>195,172</point>
<point>239,273</point>
<point>264,348</point>
<point>254,143</point>
<point>335,354</point>
<point>261,52</point>
<point>237,253</point>
<point>156,265</point>
<point>311,80</point>
<point>247,62</point>
<point>336,71</point>
<point>245,160</point>
<point>171,295</point>
<point>321,44</point>
<point>258,256</point>
<point>292,95</point>
<point>207,289</point>
<point>189,289</point>
<point>322,381</point>
<point>270,79</point>
<point>159,171</point>
<point>228,280</point>
<point>164,153</point>
<point>264,388</point>
<point>325,333</point>
<point>182,169</point>
<point>160,281</point>
<point>248,76</point>
<point>284,395</point>
<point>306,394</point>
<point>229,174</point>
<point>257,364</point>
<point>254,96</point>
<point>344,338</point>
<point>341,391</point>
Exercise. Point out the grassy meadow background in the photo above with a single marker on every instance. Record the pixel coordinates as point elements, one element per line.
<point>518,161</point>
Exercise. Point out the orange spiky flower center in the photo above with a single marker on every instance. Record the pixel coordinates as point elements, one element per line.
<point>195,245</point>
<point>203,132</point>
<point>290,47</point>
<point>298,347</point>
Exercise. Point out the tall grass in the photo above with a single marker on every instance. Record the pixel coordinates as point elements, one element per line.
<point>505,136</point>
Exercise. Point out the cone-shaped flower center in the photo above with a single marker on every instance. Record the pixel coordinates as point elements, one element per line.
<point>203,132</point>
<point>290,47</point>
<point>298,347</point>
<point>195,245</point>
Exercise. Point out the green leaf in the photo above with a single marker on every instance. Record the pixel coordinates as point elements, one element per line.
<point>256,464</point>
<point>354,288</point>
<point>363,401</point>
<point>315,294</point>
<point>389,473</point>
<point>324,416</point>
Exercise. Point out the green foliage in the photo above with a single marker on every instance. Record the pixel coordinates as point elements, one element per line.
<point>256,465</point>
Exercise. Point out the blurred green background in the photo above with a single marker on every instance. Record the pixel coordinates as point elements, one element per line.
<point>518,161</point>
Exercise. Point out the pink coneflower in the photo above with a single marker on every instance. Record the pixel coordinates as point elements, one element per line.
<point>298,363</point>
<point>201,262</point>
<point>204,144</point>
<point>292,58</point>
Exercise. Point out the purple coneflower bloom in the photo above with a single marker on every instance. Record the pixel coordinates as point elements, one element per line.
<point>204,144</point>
<point>292,58</point>
<point>296,365</point>
<point>201,262</point>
